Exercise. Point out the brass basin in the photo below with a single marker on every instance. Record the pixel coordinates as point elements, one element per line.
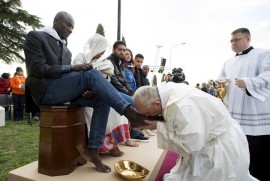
<point>130,170</point>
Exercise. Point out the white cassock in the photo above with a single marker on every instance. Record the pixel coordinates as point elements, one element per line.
<point>198,126</point>
<point>252,112</point>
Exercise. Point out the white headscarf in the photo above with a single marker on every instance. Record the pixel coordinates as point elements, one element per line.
<point>95,45</point>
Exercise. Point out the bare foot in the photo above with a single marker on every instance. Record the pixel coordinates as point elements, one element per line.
<point>119,150</point>
<point>92,155</point>
<point>116,152</point>
<point>131,143</point>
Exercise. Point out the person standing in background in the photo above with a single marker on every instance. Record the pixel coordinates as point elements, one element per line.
<point>168,77</point>
<point>138,61</point>
<point>144,73</point>
<point>5,83</point>
<point>5,89</point>
<point>248,97</point>
<point>118,80</point>
<point>17,83</point>
<point>198,86</point>
<point>129,69</point>
<point>204,87</point>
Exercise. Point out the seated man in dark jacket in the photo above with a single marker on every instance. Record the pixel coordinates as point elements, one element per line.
<point>52,80</point>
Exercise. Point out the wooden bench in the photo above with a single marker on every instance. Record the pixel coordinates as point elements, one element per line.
<point>62,128</point>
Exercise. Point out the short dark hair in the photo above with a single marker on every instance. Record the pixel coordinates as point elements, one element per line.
<point>139,56</point>
<point>19,69</point>
<point>118,42</point>
<point>241,30</point>
<point>5,75</point>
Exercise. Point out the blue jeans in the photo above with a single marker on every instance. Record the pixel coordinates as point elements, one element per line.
<point>133,133</point>
<point>71,86</point>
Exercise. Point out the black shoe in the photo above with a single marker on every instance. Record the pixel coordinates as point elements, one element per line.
<point>140,138</point>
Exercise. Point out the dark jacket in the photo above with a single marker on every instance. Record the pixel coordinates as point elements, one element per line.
<point>144,80</point>
<point>138,78</point>
<point>118,80</point>
<point>43,61</point>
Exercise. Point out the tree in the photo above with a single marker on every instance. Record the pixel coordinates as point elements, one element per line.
<point>100,30</point>
<point>154,80</point>
<point>123,39</point>
<point>13,24</point>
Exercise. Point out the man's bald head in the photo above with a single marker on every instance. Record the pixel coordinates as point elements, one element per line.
<point>63,23</point>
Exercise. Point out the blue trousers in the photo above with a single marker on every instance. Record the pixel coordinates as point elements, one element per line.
<point>18,105</point>
<point>71,86</point>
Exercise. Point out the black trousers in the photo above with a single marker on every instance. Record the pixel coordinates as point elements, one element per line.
<point>259,148</point>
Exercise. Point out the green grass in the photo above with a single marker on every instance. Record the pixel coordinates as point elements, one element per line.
<point>18,145</point>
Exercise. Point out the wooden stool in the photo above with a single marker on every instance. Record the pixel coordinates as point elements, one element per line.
<point>62,128</point>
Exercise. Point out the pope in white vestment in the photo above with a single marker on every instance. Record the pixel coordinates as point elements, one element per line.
<point>211,144</point>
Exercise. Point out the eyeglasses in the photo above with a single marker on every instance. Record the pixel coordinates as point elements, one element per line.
<point>236,40</point>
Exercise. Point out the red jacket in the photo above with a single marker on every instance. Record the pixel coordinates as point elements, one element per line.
<point>4,85</point>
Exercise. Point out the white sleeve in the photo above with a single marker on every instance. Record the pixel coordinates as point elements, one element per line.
<point>79,59</point>
<point>259,86</point>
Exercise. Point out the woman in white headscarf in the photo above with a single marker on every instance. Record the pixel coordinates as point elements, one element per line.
<point>117,131</point>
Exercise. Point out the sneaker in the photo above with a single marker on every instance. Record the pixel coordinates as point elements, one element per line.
<point>140,138</point>
<point>150,133</point>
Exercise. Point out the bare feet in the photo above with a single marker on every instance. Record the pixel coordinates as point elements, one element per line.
<point>116,152</point>
<point>131,143</point>
<point>92,155</point>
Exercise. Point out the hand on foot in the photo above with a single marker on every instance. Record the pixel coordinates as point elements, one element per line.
<point>137,120</point>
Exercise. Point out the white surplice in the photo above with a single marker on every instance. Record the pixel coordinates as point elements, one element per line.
<point>252,112</point>
<point>198,126</point>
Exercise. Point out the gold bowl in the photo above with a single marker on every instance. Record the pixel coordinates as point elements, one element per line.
<point>130,170</point>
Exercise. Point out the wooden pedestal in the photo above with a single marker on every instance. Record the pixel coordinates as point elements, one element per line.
<point>62,128</point>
